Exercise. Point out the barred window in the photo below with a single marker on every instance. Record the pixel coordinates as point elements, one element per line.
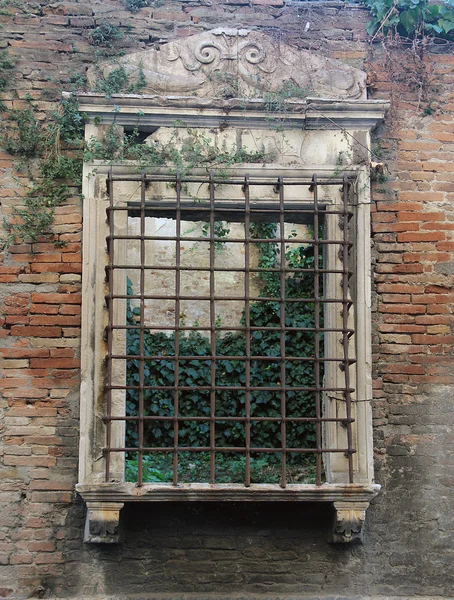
<point>226,318</point>
<point>223,308</point>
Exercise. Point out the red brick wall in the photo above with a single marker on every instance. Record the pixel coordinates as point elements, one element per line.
<point>408,549</point>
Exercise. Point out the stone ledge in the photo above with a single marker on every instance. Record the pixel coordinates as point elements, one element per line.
<point>105,501</point>
<point>252,597</point>
<point>205,492</point>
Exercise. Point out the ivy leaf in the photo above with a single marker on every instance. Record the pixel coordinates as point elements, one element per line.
<point>408,20</point>
<point>446,26</point>
<point>434,27</point>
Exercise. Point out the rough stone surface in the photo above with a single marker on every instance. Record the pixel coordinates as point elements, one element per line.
<point>221,551</point>
<point>238,62</point>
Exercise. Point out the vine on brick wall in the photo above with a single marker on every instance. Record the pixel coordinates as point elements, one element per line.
<point>60,154</point>
<point>57,148</point>
<point>411,18</point>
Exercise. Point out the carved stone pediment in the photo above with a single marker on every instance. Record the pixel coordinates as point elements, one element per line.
<point>238,63</point>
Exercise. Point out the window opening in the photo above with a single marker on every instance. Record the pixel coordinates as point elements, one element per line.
<point>229,330</point>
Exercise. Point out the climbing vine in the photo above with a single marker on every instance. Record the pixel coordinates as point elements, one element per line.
<point>57,146</point>
<point>26,137</point>
<point>411,18</point>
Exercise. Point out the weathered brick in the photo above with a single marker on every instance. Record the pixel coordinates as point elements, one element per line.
<point>54,363</point>
<point>51,298</point>
<point>48,45</point>
<point>67,8</point>
<point>434,236</point>
<point>29,331</point>
<point>55,320</point>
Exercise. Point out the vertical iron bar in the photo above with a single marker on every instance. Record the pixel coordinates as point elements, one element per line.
<point>345,337</point>
<point>212,335</point>
<point>141,330</point>
<point>176,407</point>
<point>318,436</point>
<point>282,332</point>
<point>109,326</point>
<point>247,323</point>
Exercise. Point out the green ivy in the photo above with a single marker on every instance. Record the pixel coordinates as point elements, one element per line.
<point>6,66</point>
<point>230,468</point>
<point>231,374</point>
<point>23,135</point>
<point>186,150</point>
<point>412,18</point>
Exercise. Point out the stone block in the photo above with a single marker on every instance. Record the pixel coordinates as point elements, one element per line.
<point>67,8</point>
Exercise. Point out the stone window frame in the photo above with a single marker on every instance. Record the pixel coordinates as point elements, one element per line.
<point>105,500</point>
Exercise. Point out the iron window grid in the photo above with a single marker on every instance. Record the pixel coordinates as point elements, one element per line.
<point>317,212</point>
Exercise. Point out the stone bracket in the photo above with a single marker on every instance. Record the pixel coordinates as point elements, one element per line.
<point>348,523</point>
<point>102,523</point>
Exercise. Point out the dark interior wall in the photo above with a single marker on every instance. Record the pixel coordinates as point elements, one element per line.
<point>219,549</point>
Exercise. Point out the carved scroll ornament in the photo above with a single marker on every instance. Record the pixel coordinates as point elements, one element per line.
<point>238,63</point>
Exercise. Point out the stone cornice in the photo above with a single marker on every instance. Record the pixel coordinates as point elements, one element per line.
<point>148,111</point>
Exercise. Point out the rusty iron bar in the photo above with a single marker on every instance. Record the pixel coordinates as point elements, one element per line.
<point>156,238</point>
<point>222,269</point>
<point>170,357</point>
<point>212,334</point>
<point>247,320</point>
<point>236,387</point>
<point>176,423</point>
<point>109,332</point>
<point>318,431</point>
<point>141,333</point>
<point>346,303</point>
<point>166,179</point>
<point>206,328</point>
<point>236,419</point>
<point>242,449</point>
<point>282,265</point>
<point>236,298</point>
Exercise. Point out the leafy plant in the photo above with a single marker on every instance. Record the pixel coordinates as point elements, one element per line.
<point>195,376</point>
<point>411,18</point>
<point>6,65</point>
<point>195,466</point>
<point>58,171</point>
<point>22,134</point>
<point>186,150</point>
<point>105,35</point>
<point>118,80</point>
<point>113,83</point>
<point>276,101</point>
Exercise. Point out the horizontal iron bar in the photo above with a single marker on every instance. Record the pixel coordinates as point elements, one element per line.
<point>223,269</point>
<point>219,419</point>
<point>276,329</point>
<point>243,449</point>
<point>239,181</point>
<point>229,298</point>
<point>183,358</point>
<point>173,238</point>
<point>280,389</point>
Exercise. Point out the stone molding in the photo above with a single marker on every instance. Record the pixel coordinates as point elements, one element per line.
<point>155,111</point>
